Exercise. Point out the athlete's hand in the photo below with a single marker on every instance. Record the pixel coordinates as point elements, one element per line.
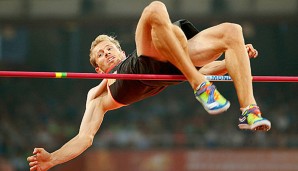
<point>252,52</point>
<point>40,160</point>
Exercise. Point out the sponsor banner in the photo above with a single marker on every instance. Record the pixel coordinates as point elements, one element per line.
<point>189,160</point>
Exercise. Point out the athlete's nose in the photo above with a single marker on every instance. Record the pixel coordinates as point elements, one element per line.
<point>107,53</point>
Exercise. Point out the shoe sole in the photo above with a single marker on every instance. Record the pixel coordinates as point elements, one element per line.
<point>264,125</point>
<point>218,111</point>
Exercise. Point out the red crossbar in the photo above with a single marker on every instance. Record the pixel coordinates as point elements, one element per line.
<point>75,75</point>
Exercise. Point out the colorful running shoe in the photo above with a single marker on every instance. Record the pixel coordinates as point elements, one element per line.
<point>212,101</point>
<point>251,119</point>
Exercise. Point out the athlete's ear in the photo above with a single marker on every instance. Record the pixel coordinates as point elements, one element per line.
<point>98,70</point>
<point>123,54</point>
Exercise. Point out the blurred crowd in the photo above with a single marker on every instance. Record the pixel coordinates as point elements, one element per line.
<point>47,113</point>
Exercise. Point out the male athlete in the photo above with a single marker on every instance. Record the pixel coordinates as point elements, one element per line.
<point>162,48</point>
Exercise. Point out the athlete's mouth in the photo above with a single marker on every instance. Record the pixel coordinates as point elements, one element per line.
<point>111,59</point>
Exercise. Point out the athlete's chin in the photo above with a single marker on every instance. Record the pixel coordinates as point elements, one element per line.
<point>115,62</point>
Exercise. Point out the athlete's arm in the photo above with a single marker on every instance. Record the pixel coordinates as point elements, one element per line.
<point>91,122</point>
<point>96,91</point>
<point>93,117</point>
<point>219,67</point>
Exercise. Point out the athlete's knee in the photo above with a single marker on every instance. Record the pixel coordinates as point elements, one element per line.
<point>232,33</point>
<point>156,13</point>
<point>156,6</point>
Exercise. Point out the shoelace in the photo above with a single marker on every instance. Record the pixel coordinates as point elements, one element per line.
<point>252,110</point>
<point>206,88</point>
<point>209,89</point>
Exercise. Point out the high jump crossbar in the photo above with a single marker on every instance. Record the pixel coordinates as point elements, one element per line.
<point>76,75</point>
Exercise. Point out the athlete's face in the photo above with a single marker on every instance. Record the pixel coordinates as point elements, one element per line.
<point>107,56</point>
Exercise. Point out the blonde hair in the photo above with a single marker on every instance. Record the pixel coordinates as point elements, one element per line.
<point>98,40</point>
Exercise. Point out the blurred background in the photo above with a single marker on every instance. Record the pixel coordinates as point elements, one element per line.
<point>170,131</point>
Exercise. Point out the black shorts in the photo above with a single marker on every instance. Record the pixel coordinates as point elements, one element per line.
<point>130,91</point>
<point>187,27</point>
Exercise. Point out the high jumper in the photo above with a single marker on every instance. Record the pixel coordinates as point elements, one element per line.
<point>163,48</point>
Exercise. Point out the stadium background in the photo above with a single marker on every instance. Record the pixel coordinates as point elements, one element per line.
<point>168,132</point>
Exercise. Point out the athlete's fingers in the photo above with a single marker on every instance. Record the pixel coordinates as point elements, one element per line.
<point>37,150</point>
<point>252,52</point>
<point>249,50</point>
<point>34,168</point>
<point>31,158</point>
<point>256,54</point>
<point>247,47</point>
<point>33,163</point>
<point>249,53</point>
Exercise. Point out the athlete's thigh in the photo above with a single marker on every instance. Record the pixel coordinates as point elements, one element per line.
<point>143,37</point>
<point>207,46</point>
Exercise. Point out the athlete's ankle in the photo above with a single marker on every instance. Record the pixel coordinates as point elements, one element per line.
<point>243,109</point>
